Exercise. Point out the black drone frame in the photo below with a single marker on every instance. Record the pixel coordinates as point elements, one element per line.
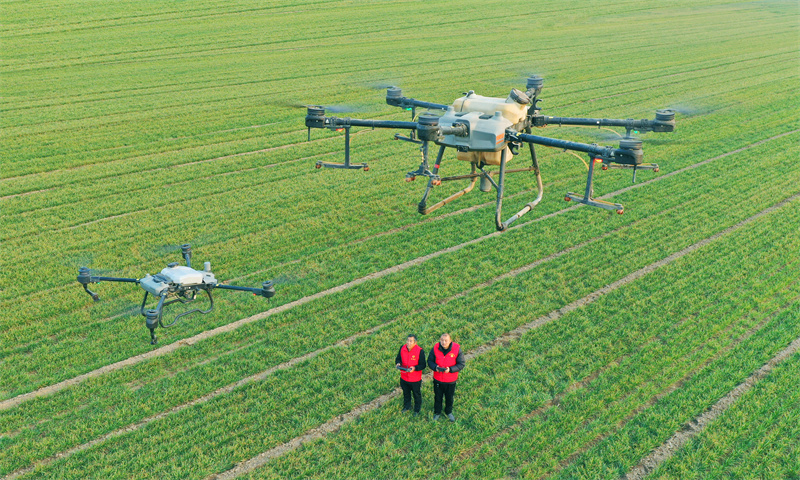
<point>426,129</point>
<point>169,291</point>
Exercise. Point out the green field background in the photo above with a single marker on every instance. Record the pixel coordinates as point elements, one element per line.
<point>131,127</point>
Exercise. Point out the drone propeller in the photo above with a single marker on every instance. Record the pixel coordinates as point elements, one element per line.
<point>383,83</point>
<point>338,108</point>
<point>286,279</point>
<point>87,260</point>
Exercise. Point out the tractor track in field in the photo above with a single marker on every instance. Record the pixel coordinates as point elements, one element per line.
<point>699,423</point>
<point>48,390</point>
<point>336,423</point>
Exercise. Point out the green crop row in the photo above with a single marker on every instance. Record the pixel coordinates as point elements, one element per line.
<point>380,248</point>
<point>81,180</point>
<point>241,424</point>
<point>489,442</point>
<point>374,255</point>
<point>755,438</point>
<point>135,227</point>
<point>332,319</point>
<point>156,109</point>
<point>126,123</point>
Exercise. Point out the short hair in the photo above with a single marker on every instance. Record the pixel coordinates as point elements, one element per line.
<point>412,335</point>
<point>448,336</point>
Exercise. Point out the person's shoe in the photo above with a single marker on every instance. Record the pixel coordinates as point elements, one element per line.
<point>404,410</point>
<point>416,414</point>
<point>436,417</point>
<point>451,417</point>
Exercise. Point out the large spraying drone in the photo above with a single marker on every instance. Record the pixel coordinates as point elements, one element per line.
<point>488,132</point>
<point>175,283</point>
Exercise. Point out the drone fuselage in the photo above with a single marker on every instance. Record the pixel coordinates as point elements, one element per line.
<point>175,283</point>
<point>175,277</point>
<point>486,120</point>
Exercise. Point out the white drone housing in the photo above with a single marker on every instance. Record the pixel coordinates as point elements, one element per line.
<point>487,119</point>
<point>177,276</point>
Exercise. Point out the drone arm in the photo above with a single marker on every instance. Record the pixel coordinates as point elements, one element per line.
<point>267,289</point>
<point>664,122</point>
<point>85,278</point>
<point>629,156</point>
<point>354,122</point>
<point>113,279</point>
<point>395,98</point>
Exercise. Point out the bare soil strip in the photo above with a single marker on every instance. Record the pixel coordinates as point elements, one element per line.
<point>14,401</point>
<point>289,364</point>
<point>696,425</point>
<point>335,424</point>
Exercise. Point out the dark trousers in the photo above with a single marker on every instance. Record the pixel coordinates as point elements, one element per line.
<point>408,389</point>
<point>443,389</point>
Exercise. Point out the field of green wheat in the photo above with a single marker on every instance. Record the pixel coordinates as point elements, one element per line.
<point>662,343</point>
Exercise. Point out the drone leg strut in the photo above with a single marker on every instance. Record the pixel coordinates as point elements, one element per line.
<point>500,185</point>
<point>432,176</point>
<point>94,296</point>
<point>152,317</point>
<point>587,196</point>
<point>528,207</point>
<point>454,196</point>
<point>347,165</point>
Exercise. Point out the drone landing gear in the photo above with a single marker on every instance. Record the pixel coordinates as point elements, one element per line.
<point>347,165</point>
<point>500,182</point>
<point>435,180</point>
<point>153,317</point>
<point>644,166</point>
<point>587,199</point>
<point>487,183</point>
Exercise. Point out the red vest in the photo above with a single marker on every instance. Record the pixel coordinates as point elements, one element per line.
<point>448,360</point>
<point>410,359</point>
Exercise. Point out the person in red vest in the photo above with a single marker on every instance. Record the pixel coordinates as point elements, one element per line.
<point>446,360</point>
<point>410,361</point>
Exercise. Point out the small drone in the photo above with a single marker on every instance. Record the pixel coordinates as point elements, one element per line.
<point>487,131</point>
<point>175,283</point>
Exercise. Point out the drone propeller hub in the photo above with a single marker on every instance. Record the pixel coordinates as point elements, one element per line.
<point>534,82</point>
<point>315,117</point>
<point>428,127</point>
<point>665,115</point>
<point>630,143</point>
<point>394,96</point>
<point>84,276</point>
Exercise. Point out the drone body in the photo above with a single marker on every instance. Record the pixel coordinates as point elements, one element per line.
<point>488,132</point>
<point>175,283</point>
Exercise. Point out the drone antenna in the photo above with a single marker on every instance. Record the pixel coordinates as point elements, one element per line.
<point>186,250</point>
